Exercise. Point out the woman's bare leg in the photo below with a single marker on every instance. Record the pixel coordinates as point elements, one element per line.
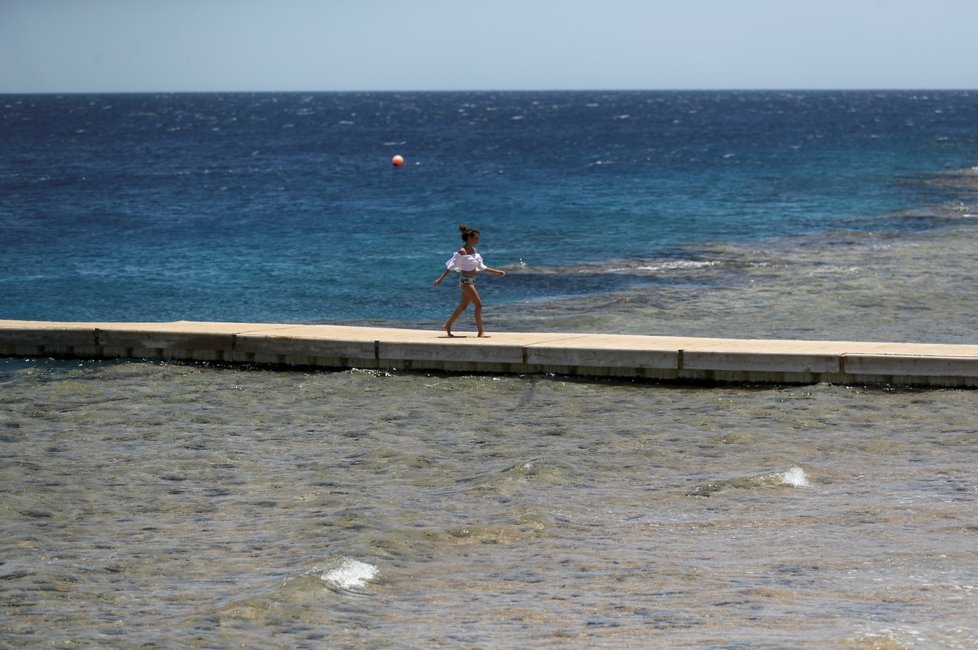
<point>458,312</point>
<point>477,301</point>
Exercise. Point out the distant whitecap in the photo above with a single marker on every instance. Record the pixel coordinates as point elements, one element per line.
<point>677,265</point>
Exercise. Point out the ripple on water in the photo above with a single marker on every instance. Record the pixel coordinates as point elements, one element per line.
<point>331,509</point>
<point>791,477</point>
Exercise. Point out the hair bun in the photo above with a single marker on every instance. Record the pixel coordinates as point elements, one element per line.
<point>467,232</point>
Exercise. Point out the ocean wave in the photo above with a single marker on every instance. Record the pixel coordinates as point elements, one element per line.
<point>343,575</point>
<point>675,265</point>
<point>348,574</point>
<point>617,267</point>
<point>793,476</point>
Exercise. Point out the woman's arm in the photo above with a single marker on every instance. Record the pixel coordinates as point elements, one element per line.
<point>438,281</point>
<point>496,271</point>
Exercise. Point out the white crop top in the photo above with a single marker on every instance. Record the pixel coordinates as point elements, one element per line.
<point>469,263</point>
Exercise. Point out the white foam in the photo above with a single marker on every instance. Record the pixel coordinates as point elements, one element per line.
<point>350,574</point>
<point>677,265</point>
<point>795,477</point>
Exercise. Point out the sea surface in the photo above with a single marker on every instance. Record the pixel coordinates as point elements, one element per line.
<point>193,506</point>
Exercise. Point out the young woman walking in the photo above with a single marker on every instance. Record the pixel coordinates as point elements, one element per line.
<point>467,262</point>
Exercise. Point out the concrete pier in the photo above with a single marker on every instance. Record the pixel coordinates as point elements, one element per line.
<point>665,358</point>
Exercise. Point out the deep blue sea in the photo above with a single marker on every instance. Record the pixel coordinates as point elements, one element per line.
<point>285,207</point>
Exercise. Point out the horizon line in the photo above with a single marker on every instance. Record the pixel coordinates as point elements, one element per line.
<point>490,90</point>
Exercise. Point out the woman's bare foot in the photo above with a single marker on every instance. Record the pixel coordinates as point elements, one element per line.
<point>483,336</point>
<point>448,330</point>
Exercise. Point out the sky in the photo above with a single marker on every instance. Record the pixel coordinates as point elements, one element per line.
<point>66,46</point>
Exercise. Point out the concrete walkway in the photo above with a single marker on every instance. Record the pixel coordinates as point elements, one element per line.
<point>667,358</point>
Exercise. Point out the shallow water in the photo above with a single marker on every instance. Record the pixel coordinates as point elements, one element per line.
<point>877,286</point>
<point>181,506</point>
